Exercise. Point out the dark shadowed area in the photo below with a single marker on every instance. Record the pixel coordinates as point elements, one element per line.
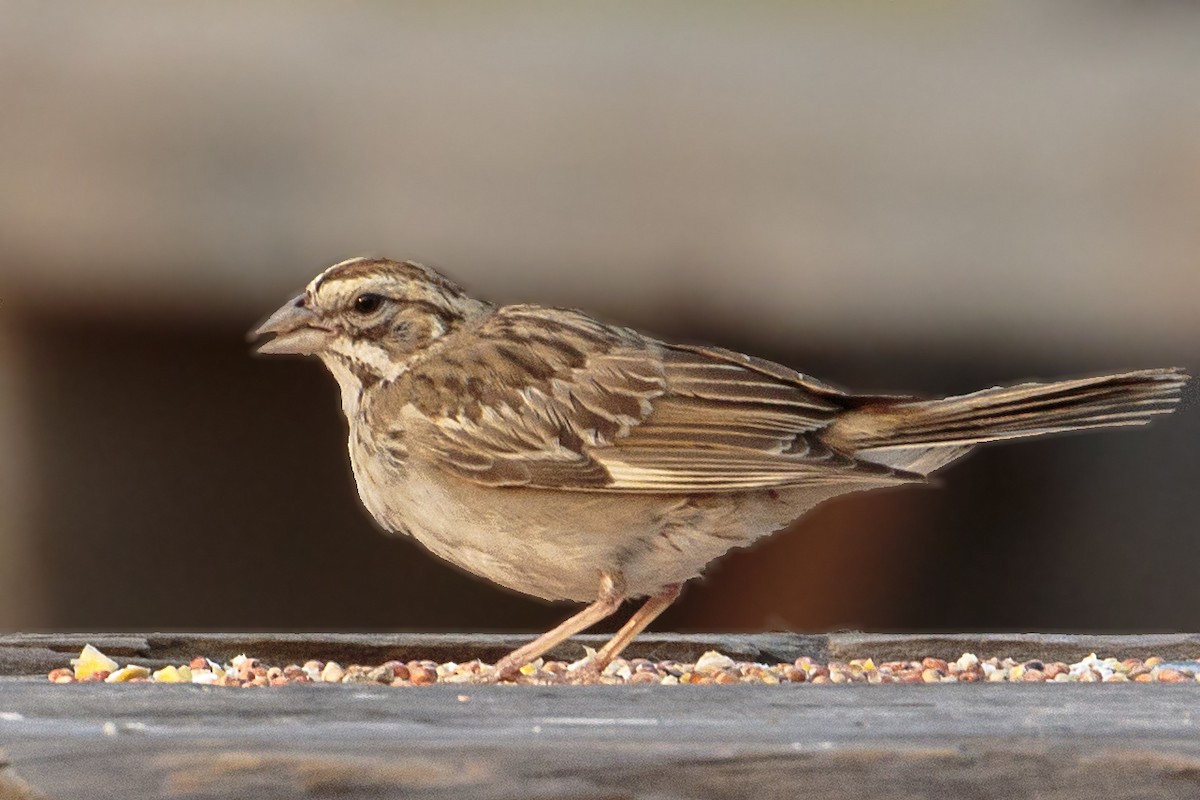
<point>929,200</point>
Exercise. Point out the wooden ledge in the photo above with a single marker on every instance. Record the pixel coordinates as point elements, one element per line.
<point>28,654</point>
<point>984,740</point>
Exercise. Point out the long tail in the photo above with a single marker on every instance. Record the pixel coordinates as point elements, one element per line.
<point>1028,409</point>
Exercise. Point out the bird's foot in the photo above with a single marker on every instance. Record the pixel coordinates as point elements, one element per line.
<point>586,673</point>
<point>504,670</point>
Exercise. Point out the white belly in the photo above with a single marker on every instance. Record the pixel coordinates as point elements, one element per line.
<point>555,544</point>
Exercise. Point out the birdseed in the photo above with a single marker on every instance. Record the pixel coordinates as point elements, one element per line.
<point>711,668</point>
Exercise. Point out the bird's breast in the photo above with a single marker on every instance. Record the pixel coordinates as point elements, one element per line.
<point>381,477</point>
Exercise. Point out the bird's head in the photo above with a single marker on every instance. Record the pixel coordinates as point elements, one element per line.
<point>367,318</point>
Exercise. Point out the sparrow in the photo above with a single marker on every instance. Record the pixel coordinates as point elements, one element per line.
<point>570,459</point>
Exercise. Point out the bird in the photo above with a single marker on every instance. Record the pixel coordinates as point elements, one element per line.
<point>567,458</point>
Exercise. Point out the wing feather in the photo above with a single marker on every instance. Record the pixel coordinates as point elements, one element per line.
<point>549,398</point>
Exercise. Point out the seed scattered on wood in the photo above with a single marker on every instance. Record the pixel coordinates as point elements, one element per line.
<point>711,668</point>
<point>332,673</point>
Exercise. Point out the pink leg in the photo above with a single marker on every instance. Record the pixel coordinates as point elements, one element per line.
<point>636,624</point>
<point>612,592</point>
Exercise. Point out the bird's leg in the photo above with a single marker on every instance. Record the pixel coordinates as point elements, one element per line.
<point>612,592</point>
<point>636,624</point>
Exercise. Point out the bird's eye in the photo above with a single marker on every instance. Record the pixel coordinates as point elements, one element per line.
<point>367,303</point>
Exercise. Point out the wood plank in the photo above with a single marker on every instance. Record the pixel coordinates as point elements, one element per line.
<point>351,741</point>
<point>1060,741</point>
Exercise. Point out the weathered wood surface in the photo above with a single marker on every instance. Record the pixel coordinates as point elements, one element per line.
<point>365,741</point>
<point>1051,741</point>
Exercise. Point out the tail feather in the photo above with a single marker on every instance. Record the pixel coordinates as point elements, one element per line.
<point>1028,409</point>
<point>1078,399</point>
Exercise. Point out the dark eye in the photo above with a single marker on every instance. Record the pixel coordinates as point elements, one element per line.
<point>367,303</point>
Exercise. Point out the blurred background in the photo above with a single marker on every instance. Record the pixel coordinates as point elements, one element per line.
<point>924,197</point>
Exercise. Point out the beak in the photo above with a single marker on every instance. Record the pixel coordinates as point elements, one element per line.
<point>296,330</point>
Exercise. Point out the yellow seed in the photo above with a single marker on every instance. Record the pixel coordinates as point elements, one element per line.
<point>127,673</point>
<point>173,675</point>
<point>90,662</point>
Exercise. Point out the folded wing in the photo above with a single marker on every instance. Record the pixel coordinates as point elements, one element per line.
<point>557,400</point>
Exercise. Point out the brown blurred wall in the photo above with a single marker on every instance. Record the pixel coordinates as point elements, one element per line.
<point>177,482</point>
<point>926,198</point>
